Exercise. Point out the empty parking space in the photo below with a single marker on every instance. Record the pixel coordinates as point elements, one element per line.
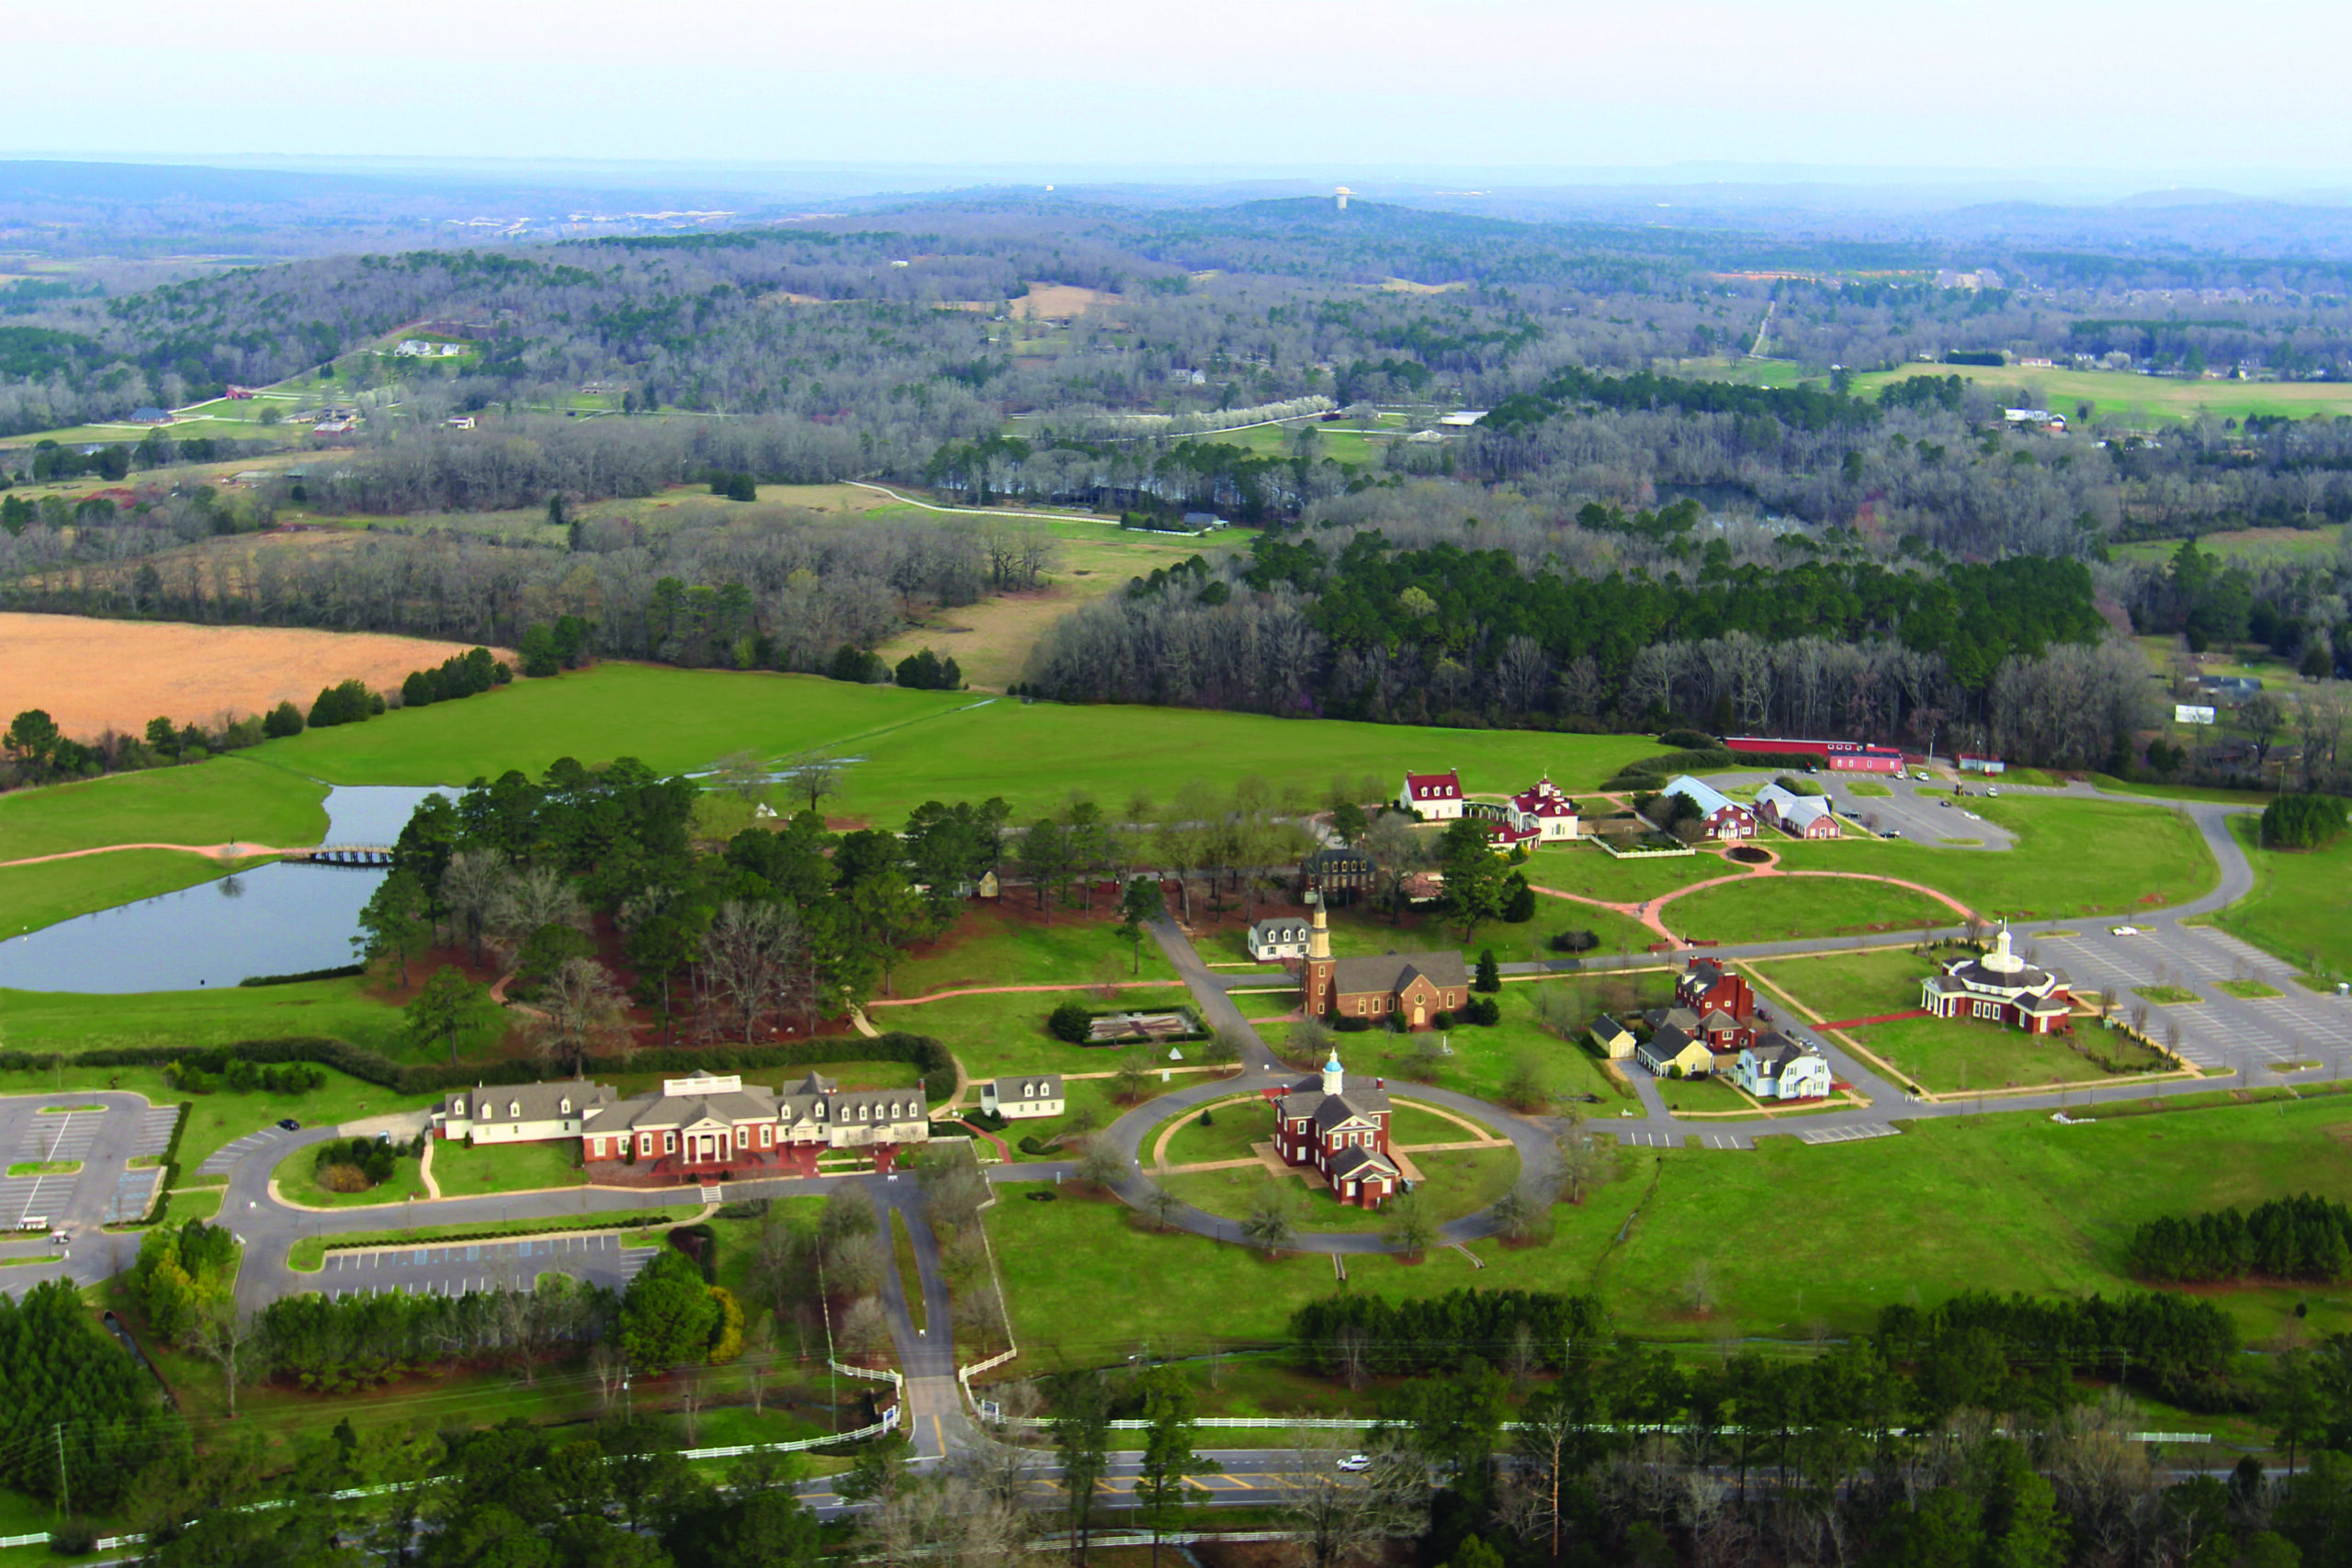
<point>228,1155</point>
<point>43,1197</point>
<point>1641,1138</point>
<point>1853,1132</point>
<point>133,1195</point>
<point>1720,1141</point>
<point>455,1267</point>
<point>65,1136</point>
<point>155,1134</point>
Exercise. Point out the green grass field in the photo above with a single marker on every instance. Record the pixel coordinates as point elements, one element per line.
<point>2300,907</point>
<point>2002,1203</point>
<point>2072,857</point>
<point>1010,942</point>
<point>1769,907</point>
<point>208,803</point>
<point>1839,985</point>
<point>2269,547</point>
<point>1593,873</point>
<point>912,746</point>
<point>462,1172</point>
<point>345,1010</point>
<point>2128,398</point>
<point>1005,1032</point>
<point>1952,1056</point>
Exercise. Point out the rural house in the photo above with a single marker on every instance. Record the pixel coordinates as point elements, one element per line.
<point>1798,816</point>
<point>1777,1067</point>
<point>2001,987</point>
<point>1412,988</point>
<point>1017,1098</point>
<point>1278,937</point>
<point>1613,1039</point>
<point>1545,813</point>
<point>1671,1054</point>
<point>1437,796</point>
<point>1342,1132</point>
<point>1720,816</point>
<point>1339,875</point>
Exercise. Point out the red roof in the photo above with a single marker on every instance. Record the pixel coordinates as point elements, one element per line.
<point>1544,800</point>
<point>1433,786</point>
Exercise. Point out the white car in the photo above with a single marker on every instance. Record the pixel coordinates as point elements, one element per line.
<point>1993,790</point>
<point>1356,1462</point>
<point>2123,931</point>
<point>1921,775</point>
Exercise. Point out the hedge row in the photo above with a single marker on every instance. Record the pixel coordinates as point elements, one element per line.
<point>171,1168</point>
<point>370,1067</point>
<point>1651,771</point>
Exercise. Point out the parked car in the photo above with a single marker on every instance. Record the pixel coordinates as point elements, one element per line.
<point>2123,931</point>
<point>288,1124</point>
<point>1356,1462</point>
<point>1945,802</point>
<point>1993,790</point>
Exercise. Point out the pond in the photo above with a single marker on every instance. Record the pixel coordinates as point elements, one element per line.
<point>281,919</point>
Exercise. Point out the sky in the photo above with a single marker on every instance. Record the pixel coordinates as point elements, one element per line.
<point>1312,88</point>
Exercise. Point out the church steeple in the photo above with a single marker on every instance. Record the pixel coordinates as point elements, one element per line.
<point>1334,1076</point>
<point>1318,935</point>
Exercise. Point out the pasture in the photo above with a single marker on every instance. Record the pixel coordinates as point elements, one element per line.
<point>2300,907</point>
<point>903,748</point>
<point>2123,397</point>
<point>1760,909</point>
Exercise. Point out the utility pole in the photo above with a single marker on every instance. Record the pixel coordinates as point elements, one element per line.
<point>64,1492</point>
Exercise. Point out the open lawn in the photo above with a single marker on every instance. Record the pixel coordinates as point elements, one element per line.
<point>2268,547</point>
<point>2126,398</point>
<point>1011,943</point>
<point>208,803</point>
<point>462,1172</point>
<point>1005,1032</point>
<point>2072,857</point>
<point>60,1021</point>
<point>1766,908</point>
<point>2300,907</point>
<point>1593,873</point>
<point>909,747</point>
<point>2000,1202</point>
<point>1954,1055</point>
<point>1839,985</point>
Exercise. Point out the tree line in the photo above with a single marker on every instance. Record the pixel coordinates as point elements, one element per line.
<point>2303,1238</point>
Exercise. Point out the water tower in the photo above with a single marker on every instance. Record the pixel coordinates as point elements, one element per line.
<point>1340,195</point>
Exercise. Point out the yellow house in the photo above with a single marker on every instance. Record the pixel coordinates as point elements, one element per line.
<point>1616,1042</point>
<point>1670,1054</point>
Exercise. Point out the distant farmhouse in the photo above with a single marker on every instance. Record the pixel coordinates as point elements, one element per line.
<point>2001,987</point>
<point>1798,816</point>
<point>1437,796</point>
<point>1412,987</point>
<point>1340,876</point>
<point>1278,937</point>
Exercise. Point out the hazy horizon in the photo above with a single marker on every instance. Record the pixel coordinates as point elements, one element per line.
<point>2133,97</point>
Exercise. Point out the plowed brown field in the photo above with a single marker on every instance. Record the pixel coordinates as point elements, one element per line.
<point>92,675</point>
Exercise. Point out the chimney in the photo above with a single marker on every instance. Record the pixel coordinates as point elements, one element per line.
<point>1380,1083</point>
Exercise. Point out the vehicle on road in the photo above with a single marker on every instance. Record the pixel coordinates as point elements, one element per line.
<point>1356,1462</point>
<point>1945,803</point>
<point>288,1124</point>
<point>1993,790</point>
<point>2123,931</point>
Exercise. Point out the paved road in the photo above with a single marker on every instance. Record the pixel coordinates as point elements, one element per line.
<point>104,1190</point>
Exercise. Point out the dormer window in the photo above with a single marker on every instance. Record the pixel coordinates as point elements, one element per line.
<point>515,1108</point>
<point>820,1110</point>
<point>487,1111</point>
<point>563,1106</point>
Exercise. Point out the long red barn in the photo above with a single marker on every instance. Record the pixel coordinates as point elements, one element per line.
<point>1839,756</point>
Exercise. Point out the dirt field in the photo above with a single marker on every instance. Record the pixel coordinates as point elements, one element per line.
<point>91,675</point>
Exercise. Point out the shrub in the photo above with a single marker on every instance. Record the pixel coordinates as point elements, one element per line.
<point>354,1164</point>
<point>1484,1012</point>
<point>349,702</point>
<point>1034,1146</point>
<point>284,719</point>
<point>1490,976</point>
<point>1688,741</point>
<point>1575,941</point>
<point>2301,821</point>
<point>1352,1025</point>
<point>1442,1020</point>
<point>1518,904</point>
<point>1069,1021</point>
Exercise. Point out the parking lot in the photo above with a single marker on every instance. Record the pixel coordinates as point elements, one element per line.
<point>453,1269</point>
<point>2219,1030</point>
<point>1917,814</point>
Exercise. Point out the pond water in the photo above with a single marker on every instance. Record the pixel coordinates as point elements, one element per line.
<point>281,919</point>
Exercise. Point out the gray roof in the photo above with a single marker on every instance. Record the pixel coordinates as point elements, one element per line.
<point>1281,928</point>
<point>1355,1162</point>
<point>538,1101</point>
<point>1392,972</point>
<point>1029,1086</point>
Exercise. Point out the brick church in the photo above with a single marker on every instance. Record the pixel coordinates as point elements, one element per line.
<point>1412,987</point>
